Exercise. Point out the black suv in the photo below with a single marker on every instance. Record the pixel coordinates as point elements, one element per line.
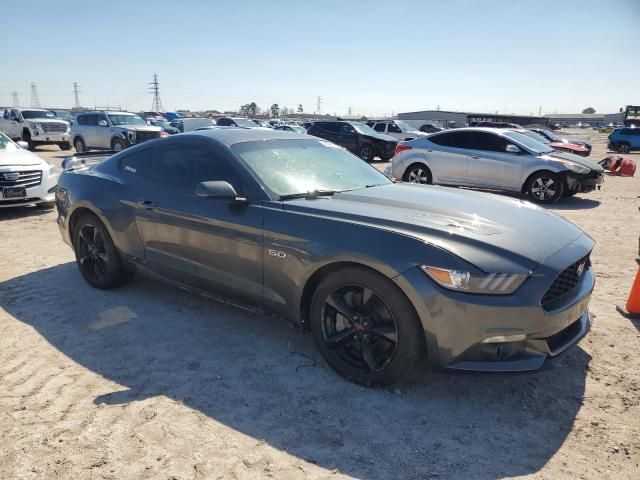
<point>356,137</point>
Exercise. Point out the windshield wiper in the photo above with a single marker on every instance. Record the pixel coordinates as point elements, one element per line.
<point>309,195</point>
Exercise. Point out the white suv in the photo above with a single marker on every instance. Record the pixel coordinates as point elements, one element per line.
<point>25,178</point>
<point>398,129</point>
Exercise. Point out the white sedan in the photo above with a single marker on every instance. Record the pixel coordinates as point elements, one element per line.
<point>25,179</point>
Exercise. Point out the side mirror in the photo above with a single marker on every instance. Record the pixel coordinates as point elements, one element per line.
<point>15,119</point>
<point>102,123</point>
<point>22,144</point>
<point>511,148</point>
<point>219,190</point>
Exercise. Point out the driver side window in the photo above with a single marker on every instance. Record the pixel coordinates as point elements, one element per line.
<point>393,128</point>
<point>183,167</point>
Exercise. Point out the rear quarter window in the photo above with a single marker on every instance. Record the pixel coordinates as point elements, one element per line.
<point>136,164</point>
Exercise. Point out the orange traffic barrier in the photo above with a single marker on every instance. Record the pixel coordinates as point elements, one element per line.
<point>632,308</point>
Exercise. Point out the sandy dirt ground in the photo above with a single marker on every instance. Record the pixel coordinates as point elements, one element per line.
<point>149,382</point>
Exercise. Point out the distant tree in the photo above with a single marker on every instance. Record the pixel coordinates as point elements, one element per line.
<point>286,111</point>
<point>252,108</point>
<point>244,109</point>
<point>589,110</point>
<point>300,109</point>
<point>275,110</point>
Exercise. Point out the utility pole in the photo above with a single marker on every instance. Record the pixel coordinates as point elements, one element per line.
<point>540,111</point>
<point>155,89</point>
<point>16,102</point>
<point>319,104</point>
<point>35,102</point>
<point>349,111</point>
<point>76,91</point>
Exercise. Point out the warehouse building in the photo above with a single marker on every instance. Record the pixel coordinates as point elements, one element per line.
<point>577,119</point>
<point>448,119</point>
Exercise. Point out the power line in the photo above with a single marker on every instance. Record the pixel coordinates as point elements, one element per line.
<point>35,101</point>
<point>76,91</point>
<point>155,89</point>
<point>16,102</point>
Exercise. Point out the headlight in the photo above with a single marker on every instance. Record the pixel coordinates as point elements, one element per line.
<point>38,126</point>
<point>574,167</point>
<point>462,281</point>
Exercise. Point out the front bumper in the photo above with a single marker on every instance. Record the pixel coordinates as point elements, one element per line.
<point>42,193</point>
<point>503,333</point>
<point>584,183</point>
<point>52,138</point>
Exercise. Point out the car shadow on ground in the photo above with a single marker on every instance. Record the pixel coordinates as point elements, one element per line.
<point>13,213</point>
<point>257,376</point>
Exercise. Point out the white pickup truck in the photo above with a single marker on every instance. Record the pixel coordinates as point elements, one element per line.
<point>36,127</point>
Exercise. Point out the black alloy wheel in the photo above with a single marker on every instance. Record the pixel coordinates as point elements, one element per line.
<point>96,255</point>
<point>92,253</point>
<point>359,328</point>
<point>366,329</point>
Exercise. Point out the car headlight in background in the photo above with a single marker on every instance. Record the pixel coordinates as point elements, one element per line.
<point>574,167</point>
<point>463,281</point>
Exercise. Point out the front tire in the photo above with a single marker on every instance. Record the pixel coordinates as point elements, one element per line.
<point>65,146</point>
<point>96,255</point>
<point>79,145</point>
<point>545,187</point>
<point>118,145</point>
<point>26,136</point>
<point>366,153</point>
<point>366,329</point>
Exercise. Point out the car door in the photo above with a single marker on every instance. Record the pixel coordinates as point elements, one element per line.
<point>395,131</point>
<point>446,155</point>
<point>211,244</point>
<point>490,165</point>
<point>14,127</point>
<point>88,130</point>
<point>102,134</point>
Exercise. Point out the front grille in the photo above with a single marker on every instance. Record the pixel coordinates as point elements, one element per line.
<point>566,282</point>
<point>54,127</point>
<point>25,179</point>
<point>144,136</point>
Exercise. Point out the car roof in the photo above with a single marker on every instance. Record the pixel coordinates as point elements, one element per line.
<point>232,135</point>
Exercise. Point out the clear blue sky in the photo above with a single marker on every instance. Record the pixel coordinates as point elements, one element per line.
<point>376,57</point>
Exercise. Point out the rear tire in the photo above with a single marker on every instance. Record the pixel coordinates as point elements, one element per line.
<point>96,256</point>
<point>79,145</point>
<point>545,187</point>
<point>366,329</point>
<point>624,147</point>
<point>418,173</point>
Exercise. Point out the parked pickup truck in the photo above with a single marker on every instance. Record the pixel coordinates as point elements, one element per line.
<point>111,131</point>
<point>36,127</point>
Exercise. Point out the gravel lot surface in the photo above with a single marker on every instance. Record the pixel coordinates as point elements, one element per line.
<point>147,381</point>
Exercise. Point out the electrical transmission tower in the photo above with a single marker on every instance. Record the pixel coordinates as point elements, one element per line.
<point>319,104</point>
<point>16,102</point>
<point>155,89</point>
<point>35,102</point>
<point>76,91</point>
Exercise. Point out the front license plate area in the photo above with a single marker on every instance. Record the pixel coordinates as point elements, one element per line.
<point>14,192</point>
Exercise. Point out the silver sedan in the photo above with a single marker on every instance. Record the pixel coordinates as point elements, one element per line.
<point>495,159</point>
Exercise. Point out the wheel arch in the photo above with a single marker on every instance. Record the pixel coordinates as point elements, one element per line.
<point>319,274</point>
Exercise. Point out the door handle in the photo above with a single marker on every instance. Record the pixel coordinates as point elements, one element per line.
<point>147,204</point>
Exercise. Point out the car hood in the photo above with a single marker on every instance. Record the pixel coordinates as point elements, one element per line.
<point>585,162</point>
<point>46,120</point>
<point>492,232</point>
<point>16,156</point>
<point>380,136</point>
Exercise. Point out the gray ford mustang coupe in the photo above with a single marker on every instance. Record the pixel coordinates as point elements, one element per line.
<point>389,278</point>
